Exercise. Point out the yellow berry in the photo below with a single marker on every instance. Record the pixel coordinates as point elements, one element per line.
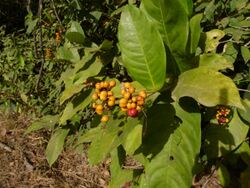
<point>124,109</point>
<point>140,102</point>
<point>133,105</point>
<point>123,101</point>
<point>99,107</point>
<point>126,95</point>
<point>104,118</point>
<point>110,93</point>
<point>123,91</point>
<point>138,108</point>
<point>111,103</point>
<point>94,105</point>
<point>139,98</point>
<point>103,95</point>
<point>129,106</point>
<point>127,84</point>
<point>111,98</point>
<point>105,84</point>
<point>112,83</point>
<point>95,96</point>
<point>101,84</point>
<point>143,94</point>
<point>98,85</point>
<point>134,99</point>
<point>131,90</point>
<point>99,112</point>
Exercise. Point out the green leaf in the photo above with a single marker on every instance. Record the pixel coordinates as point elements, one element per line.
<point>230,52</point>
<point>75,82</point>
<point>245,52</point>
<point>172,166</point>
<point>244,114</point>
<point>69,54</point>
<point>47,122</point>
<point>133,140</point>
<point>31,25</point>
<point>215,62</point>
<point>118,175</point>
<point>207,87</point>
<point>244,178</point>
<point>195,31</point>
<point>245,153</point>
<point>213,39</point>
<point>170,18</point>
<point>223,175</point>
<point>104,142</point>
<point>75,33</point>
<point>55,145</point>
<point>89,136</point>
<point>220,140</point>
<point>142,49</point>
<point>77,104</point>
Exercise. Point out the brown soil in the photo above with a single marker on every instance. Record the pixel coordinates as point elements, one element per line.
<point>23,163</point>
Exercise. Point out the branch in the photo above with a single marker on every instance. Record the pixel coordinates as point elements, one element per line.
<point>40,7</point>
<point>56,14</point>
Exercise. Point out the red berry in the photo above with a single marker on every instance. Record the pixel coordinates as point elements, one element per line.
<point>132,112</point>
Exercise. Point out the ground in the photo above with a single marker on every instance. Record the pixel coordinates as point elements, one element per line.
<point>23,164</point>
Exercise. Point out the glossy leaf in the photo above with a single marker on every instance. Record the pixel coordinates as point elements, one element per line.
<point>220,140</point>
<point>55,145</point>
<point>75,33</point>
<point>215,62</point>
<point>207,87</point>
<point>169,17</point>
<point>144,59</point>
<point>172,166</point>
<point>77,104</point>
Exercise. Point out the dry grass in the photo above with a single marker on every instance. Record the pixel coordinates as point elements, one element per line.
<point>23,163</point>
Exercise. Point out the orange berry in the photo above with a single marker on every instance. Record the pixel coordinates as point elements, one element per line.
<point>105,84</point>
<point>124,109</point>
<point>110,93</point>
<point>139,98</point>
<point>111,103</point>
<point>134,99</point>
<point>143,94</point>
<point>123,101</point>
<point>131,90</point>
<point>95,96</point>
<point>98,85</point>
<point>133,105</point>
<point>104,118</point>
<point>129,106</point>
<point>111,98</point>
<point>99,112</point>
<point>123,91</point>
<point>101,84</point>
<point>126,95</point>
<point>103,95</point>
<point>112,83</point>
<point>99,107</point>
<point>127,84</point>
<point>138,108</point>
<point>94,105</point>
<point>140,102</point>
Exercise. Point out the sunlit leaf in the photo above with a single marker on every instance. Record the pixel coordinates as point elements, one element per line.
<point>143,53</point>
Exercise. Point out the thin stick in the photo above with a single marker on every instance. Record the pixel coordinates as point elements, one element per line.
<point>40,41</point>
<point>56,14</point>
<point>244,90</point>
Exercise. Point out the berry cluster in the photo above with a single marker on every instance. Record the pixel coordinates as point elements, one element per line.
<point>131,103</point>
<point>103,98</point>
<point>223,115</point>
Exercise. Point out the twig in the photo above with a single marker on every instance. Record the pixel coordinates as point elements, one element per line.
<point>56,14</point>
<point>244,90</point>
<point>35,46</point>
<point>5,147</point>
<point>40,7</point>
